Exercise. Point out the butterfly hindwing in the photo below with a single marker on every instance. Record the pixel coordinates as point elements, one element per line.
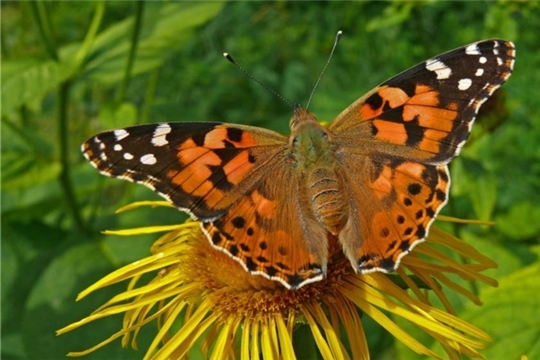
<point>396,213</point>
<point>269,232</point>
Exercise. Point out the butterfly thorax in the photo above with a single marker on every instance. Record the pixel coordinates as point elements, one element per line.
<point>314,157</point>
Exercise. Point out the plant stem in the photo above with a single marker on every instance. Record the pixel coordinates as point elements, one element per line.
<point>83,51</point>
<point>151,87</point>
<point>62,111</point>
<point>45,33</point>
<point>139,8</point>
<point>65,177</point>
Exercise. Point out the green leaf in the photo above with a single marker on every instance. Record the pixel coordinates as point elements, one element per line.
<point>509,257</point>
<point>51,306</point>
<point>521,221</point>
<point>303,340</point>
<point>24,171</point>
<point>27,158</point>
<point>483,194</point>
<point>28,80</point>
<point>500,20</point>
<point>173,26</point>
<point>472,180</point>
<point>510,315</point>
<point>393,15</point>
<point>116,117</point>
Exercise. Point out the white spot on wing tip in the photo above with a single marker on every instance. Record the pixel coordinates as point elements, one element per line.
<point>472,50</point>
<point>148,159</point>
<point>464,84</point>
<point>117,147</point>
<point>128,156</point>
<point>159,136</point>
<point>120,134</point>
<point>479,72</point>
<point>443,72</point>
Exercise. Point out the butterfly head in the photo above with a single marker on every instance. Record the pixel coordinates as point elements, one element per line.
<point>301,117</point>
<point>309,141</point>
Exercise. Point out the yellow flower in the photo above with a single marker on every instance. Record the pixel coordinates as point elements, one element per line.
<point>202,297</point>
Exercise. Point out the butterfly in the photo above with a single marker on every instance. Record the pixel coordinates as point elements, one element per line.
<point>375,178</point>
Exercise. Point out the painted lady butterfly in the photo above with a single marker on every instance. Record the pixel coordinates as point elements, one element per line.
<point>375,178</point>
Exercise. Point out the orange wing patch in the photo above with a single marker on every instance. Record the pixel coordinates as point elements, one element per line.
<point>239,167</point>
<point>384,97</point>
<point>196,169</point>
<point>392,132</point>
<point>224,136</point>
<point>212,164</point>
<point>417,120</point>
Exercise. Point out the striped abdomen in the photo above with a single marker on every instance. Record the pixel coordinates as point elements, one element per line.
<point>327,200</point>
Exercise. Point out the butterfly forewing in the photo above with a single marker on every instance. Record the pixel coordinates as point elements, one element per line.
<point>202,168</point>
<point>426,112</point>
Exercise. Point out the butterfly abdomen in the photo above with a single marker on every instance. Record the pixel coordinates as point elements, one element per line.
<point>314,156</point>
<point>327,202</point>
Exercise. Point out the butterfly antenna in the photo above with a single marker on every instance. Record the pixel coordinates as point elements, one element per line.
<point>232,61</point>
<point>338,36</point>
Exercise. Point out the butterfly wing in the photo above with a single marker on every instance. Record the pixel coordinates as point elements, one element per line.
<point>392,205</point>
<point>201,168</point>
<point>231,178</point>
<point>426,113</point>
<point>404,132</point>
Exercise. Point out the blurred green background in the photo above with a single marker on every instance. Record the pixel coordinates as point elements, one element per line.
<point>68,72</point>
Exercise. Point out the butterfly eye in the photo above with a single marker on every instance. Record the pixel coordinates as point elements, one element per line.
<point>293,123</point>
<point>324,135</point>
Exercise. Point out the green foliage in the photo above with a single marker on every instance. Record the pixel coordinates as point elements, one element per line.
<point>56,56</point>
<point>514,308</point>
